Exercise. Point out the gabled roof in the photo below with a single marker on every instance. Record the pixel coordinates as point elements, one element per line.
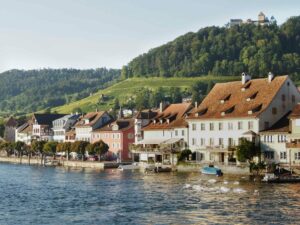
<point>46,118</point>
<point>123,124</point>
<point>146,114</point>
<point>281,126</point>
<point>173,116</point>
<point>25,128</point>
<point>246,100</point>
<point>11,122</point>
<point>91,117</point>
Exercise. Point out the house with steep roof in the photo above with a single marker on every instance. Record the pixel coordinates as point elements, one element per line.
<point>10,129</point>
<point>141,120</point>
<point>24,133</point>
<point>165,134</point>
<point>118,135</point>
<point>62,125</point>
<point>238,109</point>
<point>42,126</point>
<point>90,122</point>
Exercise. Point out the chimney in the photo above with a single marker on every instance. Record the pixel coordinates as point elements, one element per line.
<point>245,78</point>
<point>161,107</point>
<point>270,77</point>
<point>196,104</point>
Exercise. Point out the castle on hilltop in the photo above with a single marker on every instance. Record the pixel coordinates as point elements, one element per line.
<point>261,20</point>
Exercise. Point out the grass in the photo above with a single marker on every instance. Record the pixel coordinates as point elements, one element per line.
<point>127,88</point>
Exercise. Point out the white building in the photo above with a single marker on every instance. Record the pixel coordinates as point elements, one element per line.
<point>63,125</point>
<point>24,133</point>
<point>90,122</point>
<point>239,109</point>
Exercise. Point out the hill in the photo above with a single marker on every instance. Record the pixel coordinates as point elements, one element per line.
<point>223,51</point>
<point>131,92</point>
<point>32,90</point>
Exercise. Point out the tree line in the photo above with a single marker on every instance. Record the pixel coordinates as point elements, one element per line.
<point>224,51</point>
<point>41,149</point>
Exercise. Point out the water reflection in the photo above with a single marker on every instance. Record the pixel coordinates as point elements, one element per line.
<point>39,195</point>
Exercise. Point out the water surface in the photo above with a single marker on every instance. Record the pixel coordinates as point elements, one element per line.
<point>44,195</point>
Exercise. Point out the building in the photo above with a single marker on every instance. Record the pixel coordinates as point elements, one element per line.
<point>90,122</point>
<point>165,135</point>
<point>235,110</point>
<point>10,129</point>
<point>62,125</point>
<point>118,135</point>
<point>24,133</point>
<point>42,126</point>
<point>262,20</point>
<point>141,120</point>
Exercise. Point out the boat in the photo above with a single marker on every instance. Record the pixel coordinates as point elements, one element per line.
<point>160,169</point>
<point>272,178</point>
<point>211,170</point>
<point>133,166</point>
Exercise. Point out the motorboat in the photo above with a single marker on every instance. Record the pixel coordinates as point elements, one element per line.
<point>211,170</point>
<point>133,166</point>
<point>272,178</point>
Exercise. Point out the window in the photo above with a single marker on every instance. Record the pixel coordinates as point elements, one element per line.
<point>283,155</point>
<point>220,126</point>
<point>202,126</point>
<point>230,142</point>
<point>193,126</point>
<point>293,98</point>
<point>283,97</point>
<point>211,142</point>
<point>240,125</point>
<point>176,132</point>
<point>268,138</point>
<point>230,126</point>
<point>220,141</point>
<point>281,138</point>
<point>274,110</point>
<point>211,126</point>
<point>250,125</point>
<point>193,141</point>
<point>202,141</point>
<point>182,132</point>
<point>297,155</point>
<point>269,154</point>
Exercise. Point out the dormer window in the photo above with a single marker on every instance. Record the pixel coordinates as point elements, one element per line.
<point>86,121</point>
<point>168,121</point>
<point>251,97</point>
<point>201,112</point>
<point>255,109</point>
<point>154,121</point>
<point>227,111</point>
<point>246,86</point>
<point>226,98</point>
<point>161,121</point>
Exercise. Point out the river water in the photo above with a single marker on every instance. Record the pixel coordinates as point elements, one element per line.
<point>44,195</point>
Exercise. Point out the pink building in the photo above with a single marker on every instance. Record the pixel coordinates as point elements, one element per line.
<point>117,135</point>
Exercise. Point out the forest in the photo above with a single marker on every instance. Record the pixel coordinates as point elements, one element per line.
<point>225,51</point>
<point>27,91</point>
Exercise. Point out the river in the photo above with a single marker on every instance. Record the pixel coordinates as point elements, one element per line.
<point>57,195</point>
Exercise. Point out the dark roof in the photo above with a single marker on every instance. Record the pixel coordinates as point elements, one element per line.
<point>91,117</point>
<point>282,125</point>
<point>46,119</point>
<point>25,128</point>
<point>146,114</point>
<point>11,122</point>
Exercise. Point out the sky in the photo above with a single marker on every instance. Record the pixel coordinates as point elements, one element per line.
<point>81,34</point>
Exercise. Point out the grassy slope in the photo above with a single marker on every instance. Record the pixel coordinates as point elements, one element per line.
<point>125,89</point>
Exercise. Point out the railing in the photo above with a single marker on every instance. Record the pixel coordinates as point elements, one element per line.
<point>137,148</point>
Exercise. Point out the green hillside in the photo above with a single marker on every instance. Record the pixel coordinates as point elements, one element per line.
<point>131,88</point>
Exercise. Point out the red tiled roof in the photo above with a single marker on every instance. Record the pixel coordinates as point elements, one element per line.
<point>234,99</point>
<point>92,117</point>
<point>295,112</point>
<point>173,116</point>
<point>124,124</point>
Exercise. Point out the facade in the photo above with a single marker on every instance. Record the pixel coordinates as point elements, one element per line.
<point>165,135</point>
<point>42,126</point>
<point>141,120</point>
<point>118,135</point>
<point>62,125</point>
<point>235,110</point>
<point>10,129</point>
<point>90,122</point>
<point>24,133</point>
<point>262,20</point>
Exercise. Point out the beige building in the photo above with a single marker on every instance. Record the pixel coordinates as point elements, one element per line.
<point>235,110</point>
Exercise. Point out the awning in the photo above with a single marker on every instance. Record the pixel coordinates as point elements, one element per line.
<point>172,141</point>
<point>159,141</point>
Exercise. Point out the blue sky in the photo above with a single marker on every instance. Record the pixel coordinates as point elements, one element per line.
<point>97,33</point>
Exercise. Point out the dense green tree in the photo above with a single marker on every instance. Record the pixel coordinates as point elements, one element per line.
<point>50,148</point>
<point>64,147</point>
<point>99,148</point>
<point>80,147</point>
<point>8,147</point>
<point>246,150</point>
